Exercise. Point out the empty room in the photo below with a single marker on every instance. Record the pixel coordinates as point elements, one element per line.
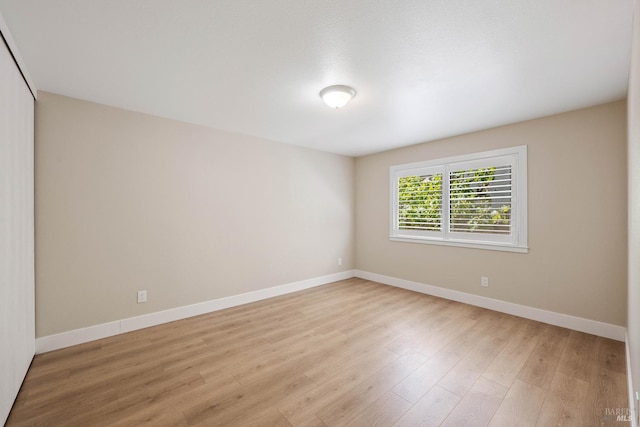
<point>319,213</point>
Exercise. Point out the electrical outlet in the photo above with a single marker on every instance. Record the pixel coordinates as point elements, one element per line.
<point>339,261</point>
<point>142,296</point>
<point>484,281</point>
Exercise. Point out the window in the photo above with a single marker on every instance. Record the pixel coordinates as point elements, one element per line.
<point>477,200</point>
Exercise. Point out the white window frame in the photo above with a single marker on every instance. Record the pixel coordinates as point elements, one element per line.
<point>517,241</point>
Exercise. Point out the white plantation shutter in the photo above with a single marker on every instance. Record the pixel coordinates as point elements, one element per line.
<point>418,196</point>
<point>476,200</point>
<point>480,200</point>
<point>420,202</point>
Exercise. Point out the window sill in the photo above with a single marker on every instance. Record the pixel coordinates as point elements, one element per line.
<point>462,244</point>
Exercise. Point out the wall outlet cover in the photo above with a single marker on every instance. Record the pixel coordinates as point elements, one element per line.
<point>142,296</point>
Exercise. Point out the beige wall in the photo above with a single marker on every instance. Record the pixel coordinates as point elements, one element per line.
<point>633,326</point>
<point>577,192</point>
<point>127,201</point>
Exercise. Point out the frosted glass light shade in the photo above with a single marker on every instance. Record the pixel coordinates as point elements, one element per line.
<point>337,96</point>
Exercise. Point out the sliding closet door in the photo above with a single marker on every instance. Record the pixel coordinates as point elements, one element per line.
<point>17,321</point>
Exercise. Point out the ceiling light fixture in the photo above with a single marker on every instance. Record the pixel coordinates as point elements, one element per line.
<point>337,96</point>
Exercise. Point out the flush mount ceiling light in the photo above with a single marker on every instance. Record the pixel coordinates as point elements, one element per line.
<point>337,96</point>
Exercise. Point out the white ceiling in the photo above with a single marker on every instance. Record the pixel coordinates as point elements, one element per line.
<point>423,69</point>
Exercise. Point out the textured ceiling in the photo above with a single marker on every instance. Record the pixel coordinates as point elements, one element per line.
<point>423,69</point>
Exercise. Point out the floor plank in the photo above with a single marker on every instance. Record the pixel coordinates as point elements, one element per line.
<point>541,364</point>
<point>382,413</point>
<point>565,403</point>
<point>462,376</point>
<point>351,353</point>
<point>430,410</point>
<point>478,406</point>
<point>520,406</point>
<point>349,404</point>
<point>507,365</point>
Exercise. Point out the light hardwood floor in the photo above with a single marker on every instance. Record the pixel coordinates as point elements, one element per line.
<point>352,353</point>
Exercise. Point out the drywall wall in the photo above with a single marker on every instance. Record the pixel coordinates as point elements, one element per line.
<point>127,201</point>
<point>633,119</point>
<point>577,218</point>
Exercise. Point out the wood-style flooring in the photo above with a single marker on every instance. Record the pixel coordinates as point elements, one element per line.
<point>352,353</point>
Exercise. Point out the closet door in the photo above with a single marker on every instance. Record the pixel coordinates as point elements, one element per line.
<point>17,319</point>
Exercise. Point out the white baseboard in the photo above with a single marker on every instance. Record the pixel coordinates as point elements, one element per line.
<point>91,333</point>
<point>632,401</point>
<point>558,319</point>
